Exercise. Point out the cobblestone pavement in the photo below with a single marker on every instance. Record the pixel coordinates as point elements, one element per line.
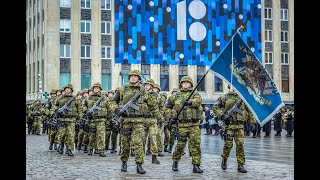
<point>44,164</point>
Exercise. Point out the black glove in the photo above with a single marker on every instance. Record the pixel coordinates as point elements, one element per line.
<point>159,123</point>
<point>187,103</point>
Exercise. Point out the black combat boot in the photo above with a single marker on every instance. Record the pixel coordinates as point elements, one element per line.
<point>51,146</point>
<point>79,147</point>
<point>148,151</point>
<point>241,168</point>
<point>55,146</point>
<point>90,152</point>
<point>267,134</point>
<point>170,149</point>
<point>175,166</point>
<point>58,149</point>
<point>124,166</point>
<point>254,135</point>
<point>165,149</point>
<point>102,154</point>
<point>96,151</point>
<point>85,149</point>
<point>114,149</point>
<point>224,164</point>
<point>61,149</point>
<point>107,148</point>
<point>132,153</point>
<point>196,169</point>
<point>160,154</point>
<point>183,153</point>
<point>140,170</point>
<point>155,160</point>
<point>69,152</point>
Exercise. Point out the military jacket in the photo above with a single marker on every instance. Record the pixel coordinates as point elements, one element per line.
<point>74,106</point>
<point>103,114</point>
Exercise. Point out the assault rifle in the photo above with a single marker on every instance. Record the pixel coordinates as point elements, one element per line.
<point>55,119</point>
<point>93,110</point>
<point>124,108</point>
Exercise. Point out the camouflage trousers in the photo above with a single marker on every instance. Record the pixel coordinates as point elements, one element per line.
<point>66,135</point>
<point>85,140</point>
<point>37,125</point>
<point>172,137</point>
<point>97,135</point>
<point>159,138</point>
<point>76,133</point>
<point>166,135</point>
<point>52,133</point>
<point>151,131</point>
<point>113,134</point>
<point>193,134</point>
<point>238,136</point>
<point>132,131</point>
<point>80,136</point>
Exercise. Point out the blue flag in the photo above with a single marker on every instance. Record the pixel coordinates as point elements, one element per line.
<point>249,79</point>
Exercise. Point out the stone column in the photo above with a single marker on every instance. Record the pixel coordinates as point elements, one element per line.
<point>75,70</point>
<point>174,77</point>
<point>155,73</point>
<point>209,86</point>
<point>192,72</point>
<point>52,44</point>
<point>276,44</point>
<point>291,49</point>
<point>95,42</point>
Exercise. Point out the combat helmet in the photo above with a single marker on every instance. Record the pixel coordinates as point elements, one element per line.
<point>164,94</point>
<point>157,86</point>
<point>68,86</point>
<point>53,91</point>
<point>188,79</point>
<point>174,90</point>
<point>111,91</point>
<point>97,84</point>
<point>104,92</point>
<point>135,72</point>
<point>149,81</point>
<point>85,90</point>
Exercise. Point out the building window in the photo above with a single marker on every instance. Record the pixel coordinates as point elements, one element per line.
<point>218,84</point>
<point>285,84</point>
<point>284,15</point>
<point>268,35</point>
<point>268,58</point>
<point>284,36</point>
<point>284,58</point>
<point>85,52</point>
<point>106,27</point>
<point>85,26</point>
<point>106,81</point>
<point>86,4</point>
<point>164,77</point>
<point>65,25</point>
<point>65,3</point>
<point>64,51</point>
<point>65,78</point>
<point>268,13</point>
<point>106,52</point>
<point>106,4</point>
<point>145,71</point>
<point>85,80</point>
<point>183,71</point>
<point>201,70</point>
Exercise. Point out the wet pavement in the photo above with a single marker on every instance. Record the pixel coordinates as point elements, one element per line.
<point>266,158</point>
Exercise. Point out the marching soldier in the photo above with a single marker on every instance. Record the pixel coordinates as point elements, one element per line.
<point>277,125</point>
<point>160,101</point>
<point>86,133</point>
<point>52,130</point>
<point>132,124</point>
<point>188,123</point>
<point>166,131</point>
<point>150,125</point>
<point>67,119</point>
<point>77,126</point>
<point>97,119</point>
<point>171,127</point>
<point>111,128</point>
<point>36,112</point>
<point>234,128</point>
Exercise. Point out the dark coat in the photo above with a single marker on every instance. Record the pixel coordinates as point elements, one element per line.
<point>267,127</point>
<point>277,123</point>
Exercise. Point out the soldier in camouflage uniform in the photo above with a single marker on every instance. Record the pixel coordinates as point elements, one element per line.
<point>171,125</point>
<point>234,128</point>
<point>81,124</point>
<point>160,101</point>
<point>167,116</point>
<point>77,126</point>
<point>97,121</point>
<point>150,126</point>
<point>111,128</point>
<point>67,119</point>
<point>188,123</point>
<point>85,126</point>
<point>132,124</point>
<point>36,112</point>
<point>52,131</point>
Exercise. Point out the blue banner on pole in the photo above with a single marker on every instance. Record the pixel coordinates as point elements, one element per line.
<point>249,79</point>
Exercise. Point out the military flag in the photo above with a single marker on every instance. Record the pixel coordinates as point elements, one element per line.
<point>248,78</point>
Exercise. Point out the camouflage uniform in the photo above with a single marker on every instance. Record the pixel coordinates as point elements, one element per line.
<point>150,127</point>
<point>132,124</point>
<point>86,127</point>
<point>97,121</point>
<point>36,112</point>
<point>81,125</point>
<point>172,128</point>
<point>160,101</point>
<point>67,119</point>
<point>233,129</point>
<point>188,124</point>
<point>166,115</point>
<point>77,126</point>
<point>111,129</point>
<point>52,131</point>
